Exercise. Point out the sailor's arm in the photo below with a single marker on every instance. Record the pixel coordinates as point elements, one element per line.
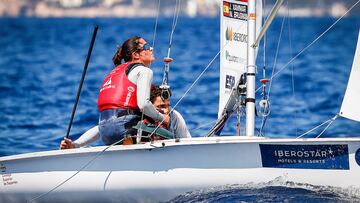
<point>143,83</point>
<point>85,139</point>
<point>88,137</point>
<point>179,125</point>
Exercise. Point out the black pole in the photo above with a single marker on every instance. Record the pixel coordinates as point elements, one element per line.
<point>82,78</point>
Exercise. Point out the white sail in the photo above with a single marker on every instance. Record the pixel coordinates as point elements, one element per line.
<point>350,105</point>
<point>233,45</point>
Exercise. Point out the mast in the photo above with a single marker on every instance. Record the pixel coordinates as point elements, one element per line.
<point>251,70</point>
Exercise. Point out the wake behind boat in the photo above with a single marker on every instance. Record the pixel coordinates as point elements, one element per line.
<point>161,170</point>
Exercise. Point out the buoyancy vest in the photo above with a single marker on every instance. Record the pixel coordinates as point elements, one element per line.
<point>117,91</point>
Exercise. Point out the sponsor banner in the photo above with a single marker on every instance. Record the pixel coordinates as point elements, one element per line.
<point>305,156</point>
<point>232,35</point>
<point>235,11</point>
<point>228,81</point>
<point>233,47</point>
<point>357,156</point>
<point>231,58</point>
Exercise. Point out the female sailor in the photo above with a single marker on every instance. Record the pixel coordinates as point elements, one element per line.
<point>124,94</point>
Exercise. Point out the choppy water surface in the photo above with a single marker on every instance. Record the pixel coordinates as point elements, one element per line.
<point>41,62</point>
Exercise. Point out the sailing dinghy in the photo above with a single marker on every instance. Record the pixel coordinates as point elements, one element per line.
<point>161,170</point>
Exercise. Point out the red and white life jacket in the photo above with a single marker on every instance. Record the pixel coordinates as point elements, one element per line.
<point>117,91</point>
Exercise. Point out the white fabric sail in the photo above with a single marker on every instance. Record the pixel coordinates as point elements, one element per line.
<point>233,45</point>
<point>350,105</point>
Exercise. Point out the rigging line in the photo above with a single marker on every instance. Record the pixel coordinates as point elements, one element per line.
<point>264,41</point>
<point>332,120</point>
<point>188,90</point>
<point>292,71</point>
<point>153,46</point>
<point>204,125</point>
<point>72,176</point>
<point>262,130</point>
<point>314,41</point>
<point>156,23</point>
<point>196,80</point>
<point>276,55</point>
<point>167,59</point>
<point>263,120</point>
<point>175,19</point>
<point>139,134</point>
<point>313,129</point>
<point>155,28</point>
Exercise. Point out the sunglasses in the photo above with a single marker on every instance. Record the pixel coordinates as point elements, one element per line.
<point>146,47</point>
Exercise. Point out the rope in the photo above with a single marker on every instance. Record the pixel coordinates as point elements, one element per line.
<point>196,80</point>
<point>153,46</point>
<point>313,129</point>
<point>264,41</point>
<point>302,51</point>
<point>204,125</point>
<point>276,55</point>
<point>81,169</point>
<point>187,91</point>
<point>168,60</point>
<point>175,19</point>
<point>101,152</point>
<point>264,118</point>
<point>314,41</point>
<point>156,23</point>
<point>331,121</point>
<point>292,72</point>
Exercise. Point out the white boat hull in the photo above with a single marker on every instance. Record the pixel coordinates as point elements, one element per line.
<point>153,172</point>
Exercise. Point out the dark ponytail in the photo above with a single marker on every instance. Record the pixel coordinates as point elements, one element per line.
<point>117,56</point>
<point>124,52</point>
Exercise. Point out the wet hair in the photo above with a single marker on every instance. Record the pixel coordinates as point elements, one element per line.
<point>124,52</point>
<point>155,92</point>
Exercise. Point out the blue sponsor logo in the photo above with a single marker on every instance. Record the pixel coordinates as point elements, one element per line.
<point>233,58</point>
<point>305,156</point>
<point>357,156</point>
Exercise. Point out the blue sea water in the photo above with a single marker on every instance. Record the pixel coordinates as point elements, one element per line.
<point>41,61</point>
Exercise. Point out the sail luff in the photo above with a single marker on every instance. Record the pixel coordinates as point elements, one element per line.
<point>350,105</point>
<point>233,46</point>
<point>251,70</point>
<point>233,57</point>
